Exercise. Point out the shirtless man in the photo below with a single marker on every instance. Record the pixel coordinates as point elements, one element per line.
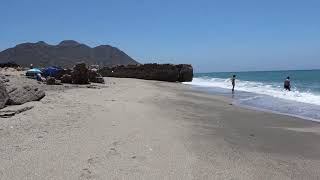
<point>233,81</point>
<point>286,84</point>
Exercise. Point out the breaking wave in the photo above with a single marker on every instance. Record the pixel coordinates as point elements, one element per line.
<point>274,90</point>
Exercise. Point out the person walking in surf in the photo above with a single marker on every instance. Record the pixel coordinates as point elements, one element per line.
<point>233,81</point>
<point>287,85</point>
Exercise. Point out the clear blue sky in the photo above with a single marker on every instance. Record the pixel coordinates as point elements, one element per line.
<point>213,35</point>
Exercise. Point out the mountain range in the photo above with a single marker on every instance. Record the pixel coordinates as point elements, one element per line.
<point>65,54</point>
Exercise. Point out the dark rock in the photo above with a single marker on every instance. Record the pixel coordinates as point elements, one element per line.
<point>62,73</point>
<point>185,72</point>
<point>80,74</point>
<point>8,64</point>
<point>161,72</point>
<point>4,97</point>
<point>66,79</point>
<point>22,94</point>
<point>95,77</point>
<point>99,80</point>
<point>51,81</point>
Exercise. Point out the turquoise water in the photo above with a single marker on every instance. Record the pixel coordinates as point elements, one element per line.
<point>264,90</point>
<point>301,80</point>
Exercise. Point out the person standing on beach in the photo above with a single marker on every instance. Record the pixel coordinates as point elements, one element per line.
<point>287,85</point>
<point>233,81</point>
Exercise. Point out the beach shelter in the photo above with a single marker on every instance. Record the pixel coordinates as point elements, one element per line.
<point>51,71</point>
<point>33,72</point>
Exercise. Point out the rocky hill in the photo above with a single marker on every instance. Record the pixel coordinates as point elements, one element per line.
<point>65,54</point>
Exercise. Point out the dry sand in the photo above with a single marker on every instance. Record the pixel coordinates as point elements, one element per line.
<point>136,129</point>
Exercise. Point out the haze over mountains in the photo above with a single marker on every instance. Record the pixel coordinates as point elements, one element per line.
<point>65,54</point>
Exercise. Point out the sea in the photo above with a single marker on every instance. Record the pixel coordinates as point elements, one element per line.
<point>263,90</point>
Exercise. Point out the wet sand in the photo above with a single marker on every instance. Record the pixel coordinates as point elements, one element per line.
<point>136,129</point>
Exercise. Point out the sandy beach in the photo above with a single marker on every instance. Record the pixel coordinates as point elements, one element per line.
<point>138,129</point>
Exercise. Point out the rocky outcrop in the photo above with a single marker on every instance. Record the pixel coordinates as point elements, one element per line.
<point>80,74</point>
<point>161,72</point>
<point>14,110</point>
<point>8,64</point>
<point>62,73</point>
<point>51,81</point>
<point>4,97</point>
<point>95,77</point>
<point>66,78</point>
<point>22,94</point>
<point>185,72</point>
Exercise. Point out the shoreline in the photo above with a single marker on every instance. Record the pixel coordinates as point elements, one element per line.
<point>236,100</point>
<point>140,129</point>
<point>248,107</point>
<point>279,113</point>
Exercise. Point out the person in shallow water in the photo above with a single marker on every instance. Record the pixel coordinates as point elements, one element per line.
<point>233,81</point>
<point>286,84</point>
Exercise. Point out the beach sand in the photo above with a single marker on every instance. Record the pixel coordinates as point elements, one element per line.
<point>137,129</point>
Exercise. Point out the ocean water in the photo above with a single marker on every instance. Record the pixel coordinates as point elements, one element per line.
<point>264,90</point>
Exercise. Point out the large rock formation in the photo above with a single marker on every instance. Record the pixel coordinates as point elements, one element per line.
<point>66,78</point>
<point>185,72</point>
<point>80,74</point>
<point>4,97</point>
<point>95,77</point>
<point>65,54</point>
<point>51,81</point>
<point>22,94</point>
<point>161,72</point>
<point>8,64</point>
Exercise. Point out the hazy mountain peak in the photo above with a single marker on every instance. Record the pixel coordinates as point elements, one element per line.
<point>65,54</point>
<point>41,43</point>
<point>68,43</point>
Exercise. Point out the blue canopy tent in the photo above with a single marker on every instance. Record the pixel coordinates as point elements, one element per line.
<point>33,72</point>
<point>51,71</point>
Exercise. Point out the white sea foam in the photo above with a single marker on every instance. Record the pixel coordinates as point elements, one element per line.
<point>258,88</point>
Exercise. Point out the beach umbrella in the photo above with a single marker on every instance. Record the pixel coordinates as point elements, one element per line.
<point>33,71</point>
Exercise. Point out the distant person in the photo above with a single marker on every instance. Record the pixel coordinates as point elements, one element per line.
<point>31,66</point>
<point>287,85</point>
<point>38,77</point>
<point>233,81</point>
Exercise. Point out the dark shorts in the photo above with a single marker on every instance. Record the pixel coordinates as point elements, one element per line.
<point>287,88</point>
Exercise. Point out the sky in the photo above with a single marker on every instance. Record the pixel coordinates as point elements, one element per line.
<point>212,35</point>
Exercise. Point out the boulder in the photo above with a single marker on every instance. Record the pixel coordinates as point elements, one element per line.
<point>80,74</point>
<point>4,97</point>
<point>3,79</point>
<point>13,110</point>
<point>63,72</point>
<point>185,72</point>
<point>95,77</point>
<point>160,72</point>
<point>66,78</point>
<point>22,94</point>
<point>51,81</point>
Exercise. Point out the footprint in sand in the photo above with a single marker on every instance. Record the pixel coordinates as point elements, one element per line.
<point>93,160</point>
<point>115,143</point>
<point>112,152</point>
<point>87,174</point>
<point>139,158</point>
